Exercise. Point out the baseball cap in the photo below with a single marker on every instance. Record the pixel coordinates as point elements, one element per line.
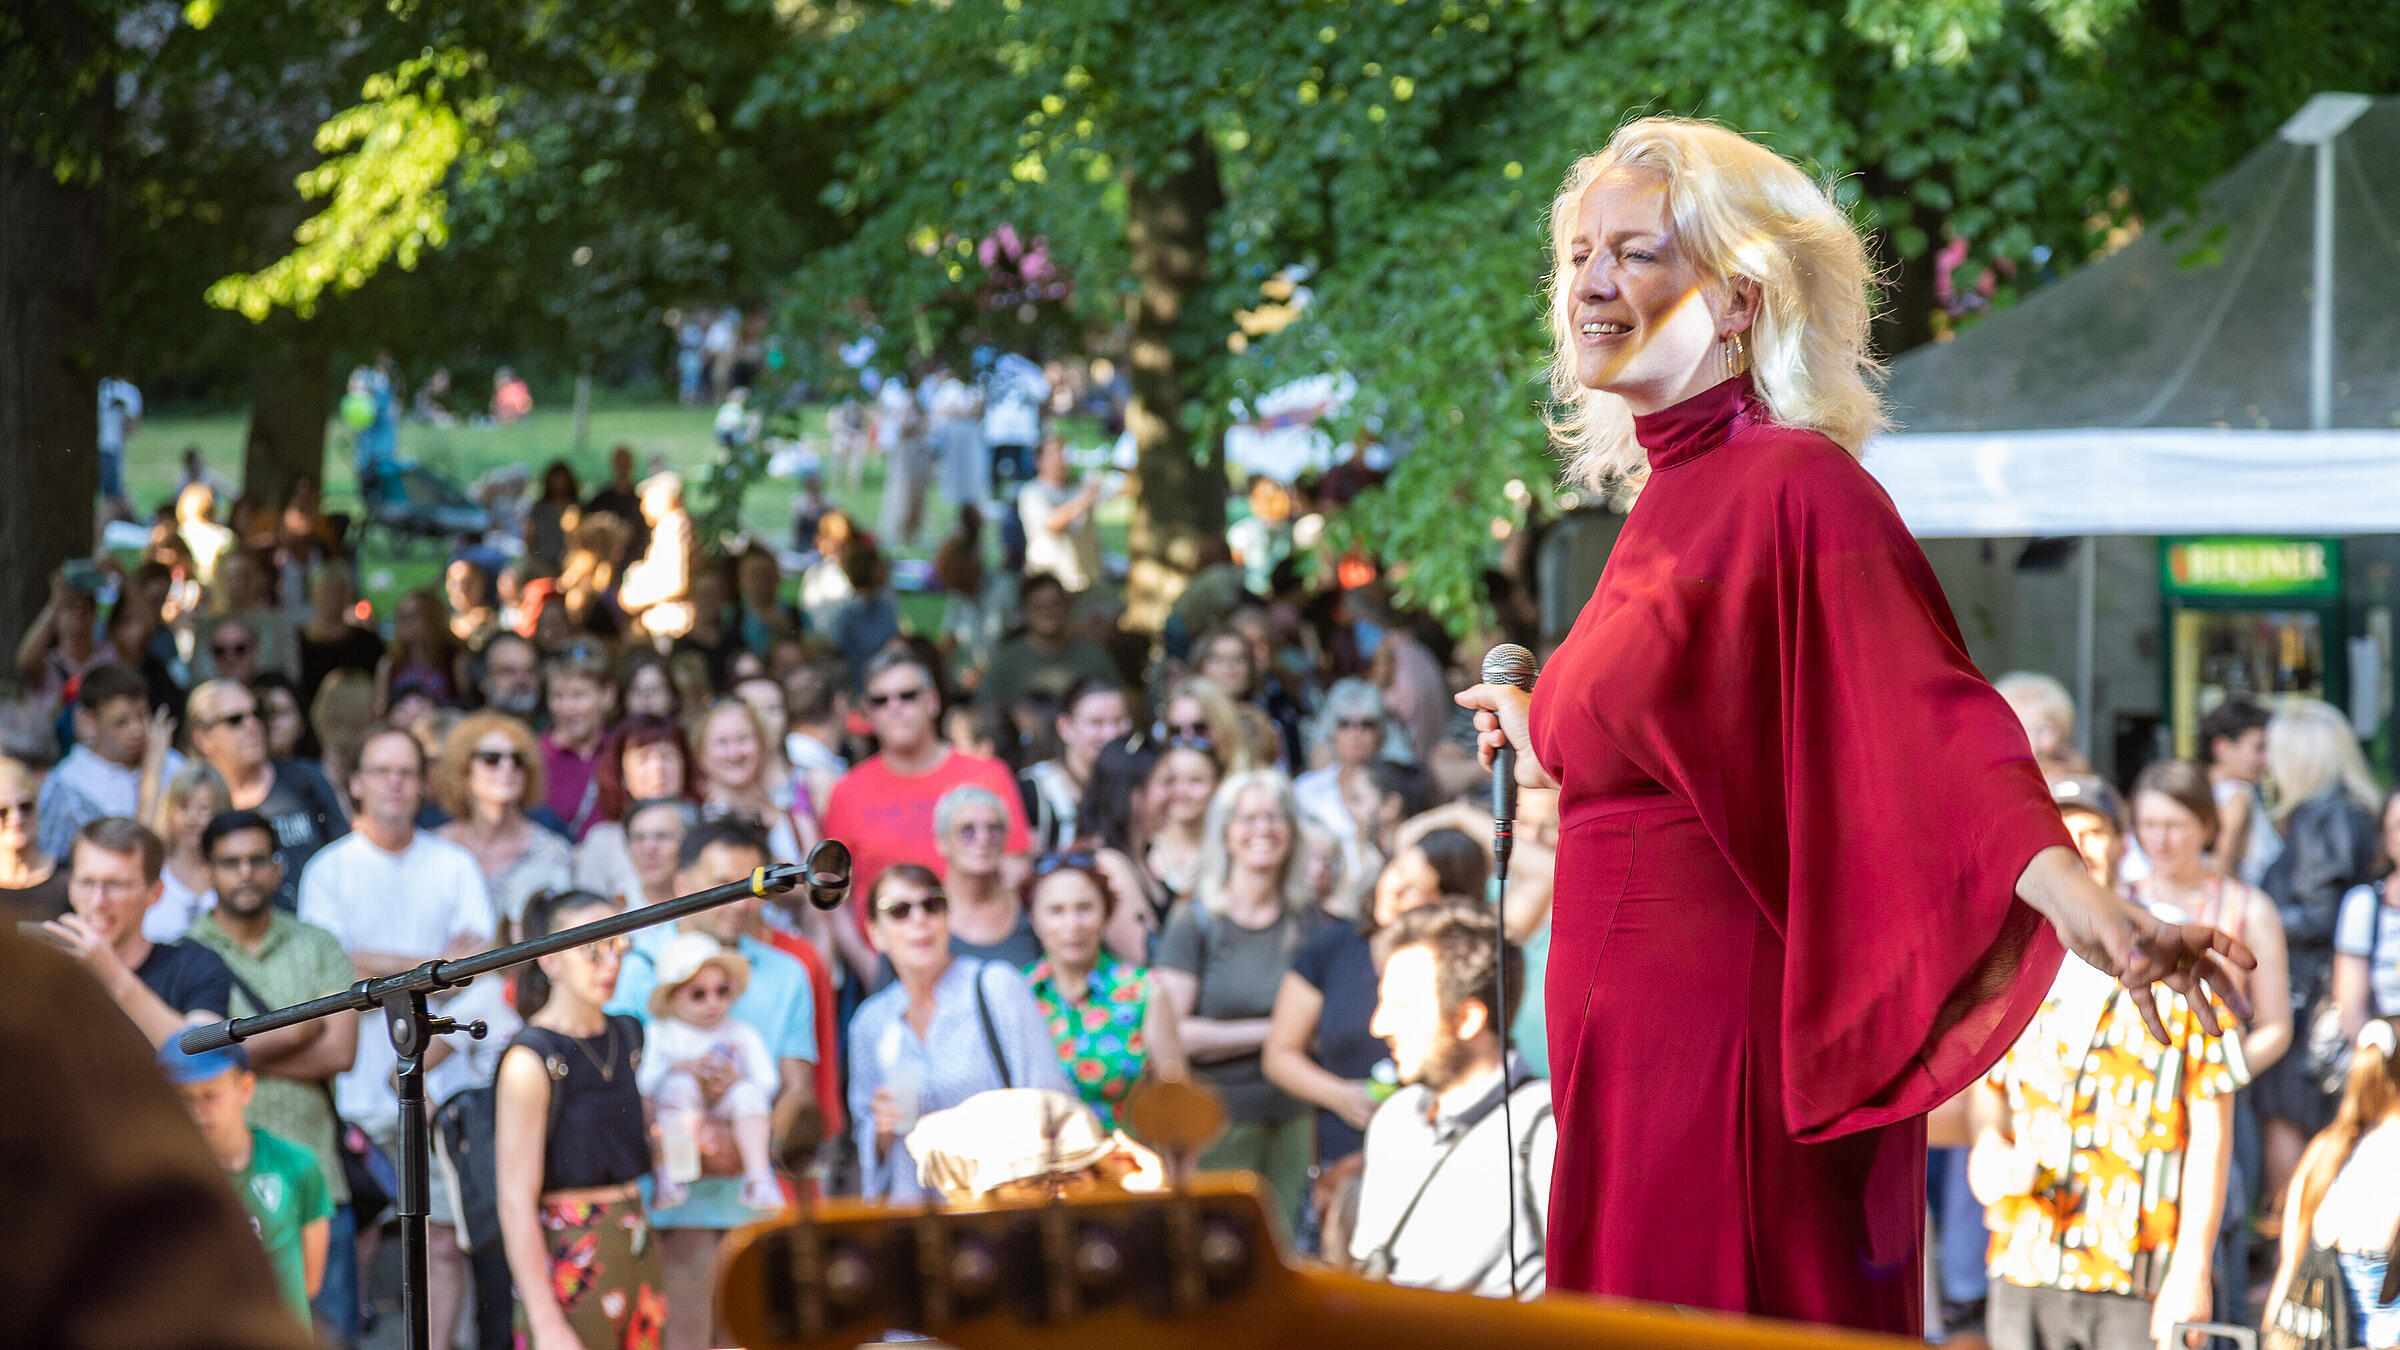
<point>182,1069</point>
<point>2089,794</point>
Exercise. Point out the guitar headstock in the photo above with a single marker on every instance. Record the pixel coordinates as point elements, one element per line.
<point>1182,1269</point>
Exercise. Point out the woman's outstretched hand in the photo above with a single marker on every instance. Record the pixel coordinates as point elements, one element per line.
<point>1501,720</point>
<point>2137,947</point>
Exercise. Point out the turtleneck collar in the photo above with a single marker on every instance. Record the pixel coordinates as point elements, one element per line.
<point>1690,429</point>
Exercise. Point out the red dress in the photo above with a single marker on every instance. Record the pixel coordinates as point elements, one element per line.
<point>1792,819</point>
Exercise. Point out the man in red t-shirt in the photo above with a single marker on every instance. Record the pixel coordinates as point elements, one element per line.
<point>883,808</point>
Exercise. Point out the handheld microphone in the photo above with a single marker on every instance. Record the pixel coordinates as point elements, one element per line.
<point>829,874</point>
<point>1512,666</point>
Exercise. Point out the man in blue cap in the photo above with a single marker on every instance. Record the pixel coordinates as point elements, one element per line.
<point>280,1183</point>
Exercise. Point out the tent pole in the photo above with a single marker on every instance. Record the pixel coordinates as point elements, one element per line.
<point>2087,587</point>
<point>2320,298</point>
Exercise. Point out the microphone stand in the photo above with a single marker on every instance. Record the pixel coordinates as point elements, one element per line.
<point>412,1028</point>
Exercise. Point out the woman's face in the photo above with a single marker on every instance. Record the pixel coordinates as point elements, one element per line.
<point>1644,321</point>
<point>1185,780</point>
<point>919,941</point>
<point>588,972</point>
<point>2167,830</point>
<point>1258,835</point>
<point>1226,663</point>
<point>1323,859</point>
<point>729,754</point>
<point>496,770</point>
<point>649,693</point>
<point>1356,738</point>
<point>655,837</point>
<point>464,586</point>
<point>1185,717</point>
<point>193,816</point>
<point>1068,916</point>
<point>284,723</point>
<point>765,698</point>
<point>653,770</point>
<point>976,841</point>
<point>1407,881</point>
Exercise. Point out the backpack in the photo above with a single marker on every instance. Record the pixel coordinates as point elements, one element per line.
<point>465,1150</point>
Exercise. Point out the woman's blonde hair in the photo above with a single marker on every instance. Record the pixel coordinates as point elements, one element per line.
<point>458,750</point>
<point>193,778</point>
<point>1226,730</point>
<point>1739,210</point>
<point>1216,860</point>
<point>2369,1095</point>
<point>2309,749</point>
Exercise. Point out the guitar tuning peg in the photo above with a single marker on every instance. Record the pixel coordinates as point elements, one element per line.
<point>1179,1119</point>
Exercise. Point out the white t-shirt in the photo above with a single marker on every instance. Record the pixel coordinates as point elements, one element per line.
<point>669,1041</point>
<point>2370,928</point>
<point>178,905</point>
<point>411,903</point>
<point>1072,554</point>
<point>119,401</point>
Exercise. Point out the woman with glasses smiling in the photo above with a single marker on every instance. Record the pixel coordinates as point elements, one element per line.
<point>970,824</point>
<point>571,1218</point>
<point>33,885</point>
<point>947,1027</point>
<point>489,775</point>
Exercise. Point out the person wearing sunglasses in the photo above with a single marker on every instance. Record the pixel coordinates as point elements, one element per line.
<point>691,1020</point>
<point>986,919</point>
<point>946,1027</point>
<point>1351,730</point>
<point>33,883</point>
<point>230,734</point>
<point>250,635</point>
<point>884,808</point>
<point>488,777</point>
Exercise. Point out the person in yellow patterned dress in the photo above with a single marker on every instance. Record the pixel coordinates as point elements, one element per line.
<point>2101,1156</point>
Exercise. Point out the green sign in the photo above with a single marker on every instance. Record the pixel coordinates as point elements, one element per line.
<point>2251,565</point>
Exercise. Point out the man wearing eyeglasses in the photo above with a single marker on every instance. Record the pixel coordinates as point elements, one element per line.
<point>294,798</point>
<point>883,809</point>
<point>112,881</point>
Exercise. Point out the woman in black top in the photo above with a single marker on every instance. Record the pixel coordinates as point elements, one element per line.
<point>571,1219</point>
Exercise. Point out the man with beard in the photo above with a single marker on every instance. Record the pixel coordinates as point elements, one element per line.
<point>1436,1195</point>
<point>277,960</point>
<point>512,681</point>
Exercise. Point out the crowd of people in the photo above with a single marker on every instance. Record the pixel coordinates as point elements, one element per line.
<point>1082,864</point>
<point>2108,1186</point>
<point>1250,852</point>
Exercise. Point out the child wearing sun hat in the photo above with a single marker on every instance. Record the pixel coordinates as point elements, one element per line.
<point>694,1039</point>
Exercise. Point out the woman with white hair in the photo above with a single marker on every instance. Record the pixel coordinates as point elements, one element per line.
<point>970,828</point>
<point>2326,810</point>
<point>1352,725</point>
<point>1220,962</point>
<point>1804,858</point>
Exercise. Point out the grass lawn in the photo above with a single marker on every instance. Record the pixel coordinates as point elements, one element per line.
<point>680,437</point>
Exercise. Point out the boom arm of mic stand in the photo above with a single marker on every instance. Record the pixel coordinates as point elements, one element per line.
<point>436,975</point>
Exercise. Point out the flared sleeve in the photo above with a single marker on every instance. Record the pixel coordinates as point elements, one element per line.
<point>1868,785</point>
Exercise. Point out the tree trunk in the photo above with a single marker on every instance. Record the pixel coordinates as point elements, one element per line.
<point>53,251</point>
<point>291,396</point>
<point>1181,494</point>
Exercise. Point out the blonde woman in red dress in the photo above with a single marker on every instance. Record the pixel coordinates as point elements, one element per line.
<point>1784,790</point>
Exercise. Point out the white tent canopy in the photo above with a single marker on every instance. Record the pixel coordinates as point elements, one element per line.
<point>2103,480</point>
<point>2234,370</point>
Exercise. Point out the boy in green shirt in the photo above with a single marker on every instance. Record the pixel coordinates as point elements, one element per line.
<point>280,1183</point>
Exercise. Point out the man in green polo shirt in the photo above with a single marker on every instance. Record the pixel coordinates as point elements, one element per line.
<point>279,1182</point>
<point>279,960</point>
